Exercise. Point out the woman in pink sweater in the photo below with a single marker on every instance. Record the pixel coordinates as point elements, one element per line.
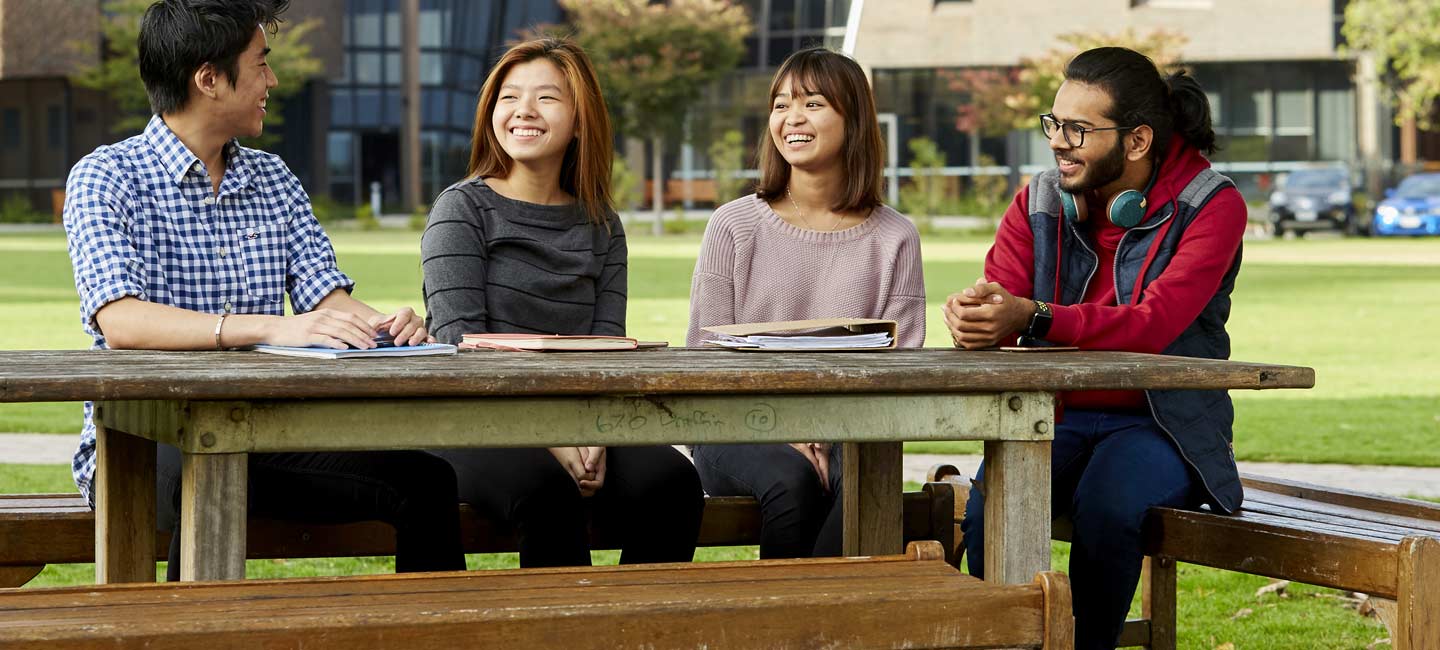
<point>814,241</point>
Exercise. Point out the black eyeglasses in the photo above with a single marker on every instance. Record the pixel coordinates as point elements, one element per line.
<point>1074,133</point>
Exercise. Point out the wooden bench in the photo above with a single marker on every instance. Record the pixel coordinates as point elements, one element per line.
<point>915,600</point>
<point>1384,547</point>
<point>36,530</point>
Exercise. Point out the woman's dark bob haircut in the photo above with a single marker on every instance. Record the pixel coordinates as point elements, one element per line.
<point>837,78</point>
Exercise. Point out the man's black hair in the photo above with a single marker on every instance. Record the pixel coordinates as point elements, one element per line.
<point>179,36</point>
<point>1140,95</point>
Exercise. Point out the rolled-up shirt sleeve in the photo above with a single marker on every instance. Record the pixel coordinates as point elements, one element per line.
<point>100,238</point>
<point>312,270</point>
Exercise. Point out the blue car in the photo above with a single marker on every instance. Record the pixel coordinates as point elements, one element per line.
<point>1413,208</point>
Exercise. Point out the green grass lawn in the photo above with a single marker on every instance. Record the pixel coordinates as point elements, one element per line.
<point>1360,312</point>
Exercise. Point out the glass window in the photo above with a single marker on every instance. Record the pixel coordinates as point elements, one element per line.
<point>340,155</point>
<point>782,14</point>
<point>432,26</point>
<point>432,108</point>
<point>1335,132</point>
<point>11,123</point>
<point>812,13</point>
<point>393,75</point>
<point>432,68</point>
<point>367,108</point>
<point>780,48</point>
<point>367,68</point>
<point>393,114</point>
<point>840,13</point>
<point>462,110</point>
<point>342,108</point>
<point>1249,100</point>
<point>392,24</point>
<point>367,23</point>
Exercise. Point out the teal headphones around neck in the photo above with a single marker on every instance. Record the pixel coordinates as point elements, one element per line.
<point>1126,209</point>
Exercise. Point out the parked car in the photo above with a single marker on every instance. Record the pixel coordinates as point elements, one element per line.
<point>1412,208</point>
<point>1317,198</point>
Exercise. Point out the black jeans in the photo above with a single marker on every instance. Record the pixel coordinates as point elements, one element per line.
<point>651,495</point>
<point>1108,469</point>
<point>410,490</point>
<point>799,517</point>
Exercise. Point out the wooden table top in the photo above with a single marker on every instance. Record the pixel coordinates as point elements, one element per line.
<point>77,375</point>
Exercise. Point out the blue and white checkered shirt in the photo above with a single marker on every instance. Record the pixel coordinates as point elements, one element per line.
<point>141,220</point>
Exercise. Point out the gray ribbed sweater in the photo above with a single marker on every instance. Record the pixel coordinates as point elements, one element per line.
<point>494,264</point>
<point>754,268</point>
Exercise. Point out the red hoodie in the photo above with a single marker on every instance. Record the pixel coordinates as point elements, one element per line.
<point>1166,306</point>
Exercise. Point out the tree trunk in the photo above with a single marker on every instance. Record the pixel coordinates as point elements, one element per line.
<point>657,183</point>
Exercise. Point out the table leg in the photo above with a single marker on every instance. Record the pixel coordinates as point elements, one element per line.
<point>1017,510</point>
<point>872,490</point>
<point>124,492</point>
<point>213,504</point>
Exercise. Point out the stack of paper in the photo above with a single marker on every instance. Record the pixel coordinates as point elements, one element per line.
<point>852,341</point>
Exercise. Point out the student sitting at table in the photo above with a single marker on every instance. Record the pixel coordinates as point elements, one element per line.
<point>813,241</point>
<point>1132,243</point>
<point>181,239</point>
<point>528,243</point>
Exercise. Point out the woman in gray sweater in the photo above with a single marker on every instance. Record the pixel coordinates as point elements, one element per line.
<point>528,243</point>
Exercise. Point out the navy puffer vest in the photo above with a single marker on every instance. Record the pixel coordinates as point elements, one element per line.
<point>1199,422</point>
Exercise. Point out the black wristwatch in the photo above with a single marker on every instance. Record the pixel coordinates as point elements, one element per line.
<point>1039,321</point>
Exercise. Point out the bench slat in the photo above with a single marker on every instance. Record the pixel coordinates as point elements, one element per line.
<point>1303,510</point>
<point>868,603</point>
<point>1340,496</point>
<point>49,530</point>
<point>1275,549</point>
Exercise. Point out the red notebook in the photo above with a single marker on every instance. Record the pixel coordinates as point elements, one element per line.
<point>546,342</point>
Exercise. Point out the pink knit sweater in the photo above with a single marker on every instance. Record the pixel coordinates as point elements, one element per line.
<point>754,267</point>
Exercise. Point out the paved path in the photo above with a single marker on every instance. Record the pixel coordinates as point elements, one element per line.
<point>49,449</point>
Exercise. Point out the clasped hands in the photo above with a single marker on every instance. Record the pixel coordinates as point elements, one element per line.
<point>985,315</point>
<point>586,465</point>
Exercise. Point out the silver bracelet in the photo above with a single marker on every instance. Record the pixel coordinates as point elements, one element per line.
<point>219,324</point>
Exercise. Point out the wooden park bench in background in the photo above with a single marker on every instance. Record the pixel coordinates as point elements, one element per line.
<point>915,600</point>
<point>41,529</point>
<point>1386,548</point>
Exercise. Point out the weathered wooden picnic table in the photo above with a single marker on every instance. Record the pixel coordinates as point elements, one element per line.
<point>217,407</point>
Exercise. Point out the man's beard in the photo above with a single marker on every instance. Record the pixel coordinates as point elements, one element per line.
<point>1098,174</point>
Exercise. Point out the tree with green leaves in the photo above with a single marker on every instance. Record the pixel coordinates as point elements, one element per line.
<point>1040,77</point>
<point>655,59</point>
<point>118,72</point>
<point>1402,38</point>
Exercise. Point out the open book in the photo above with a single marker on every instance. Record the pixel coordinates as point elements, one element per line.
<point>815,335</point>
<point>425,350</point>
<point>546,342</point>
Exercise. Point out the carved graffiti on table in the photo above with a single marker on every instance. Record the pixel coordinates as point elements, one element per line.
<point>760,418</point>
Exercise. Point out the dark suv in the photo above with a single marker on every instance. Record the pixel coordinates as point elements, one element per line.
<point>1313,199</point>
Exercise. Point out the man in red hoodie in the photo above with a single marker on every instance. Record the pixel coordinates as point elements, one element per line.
<point>1132,243</point>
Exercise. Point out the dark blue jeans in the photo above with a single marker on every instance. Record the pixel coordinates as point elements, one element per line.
<point>1107,470</point>
<point>799,517</point>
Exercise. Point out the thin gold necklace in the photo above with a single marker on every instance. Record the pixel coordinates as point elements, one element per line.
<point>833,226</point>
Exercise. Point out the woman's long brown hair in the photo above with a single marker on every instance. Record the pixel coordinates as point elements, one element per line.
<point>841,81</point>
<point>585,173</point>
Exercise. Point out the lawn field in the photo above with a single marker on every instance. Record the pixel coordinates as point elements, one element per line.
<point>1361,312</point>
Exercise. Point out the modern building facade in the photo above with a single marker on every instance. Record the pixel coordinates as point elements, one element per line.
<point>1281,93</point>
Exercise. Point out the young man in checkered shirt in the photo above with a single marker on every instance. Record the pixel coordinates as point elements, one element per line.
<point>181,239</point>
